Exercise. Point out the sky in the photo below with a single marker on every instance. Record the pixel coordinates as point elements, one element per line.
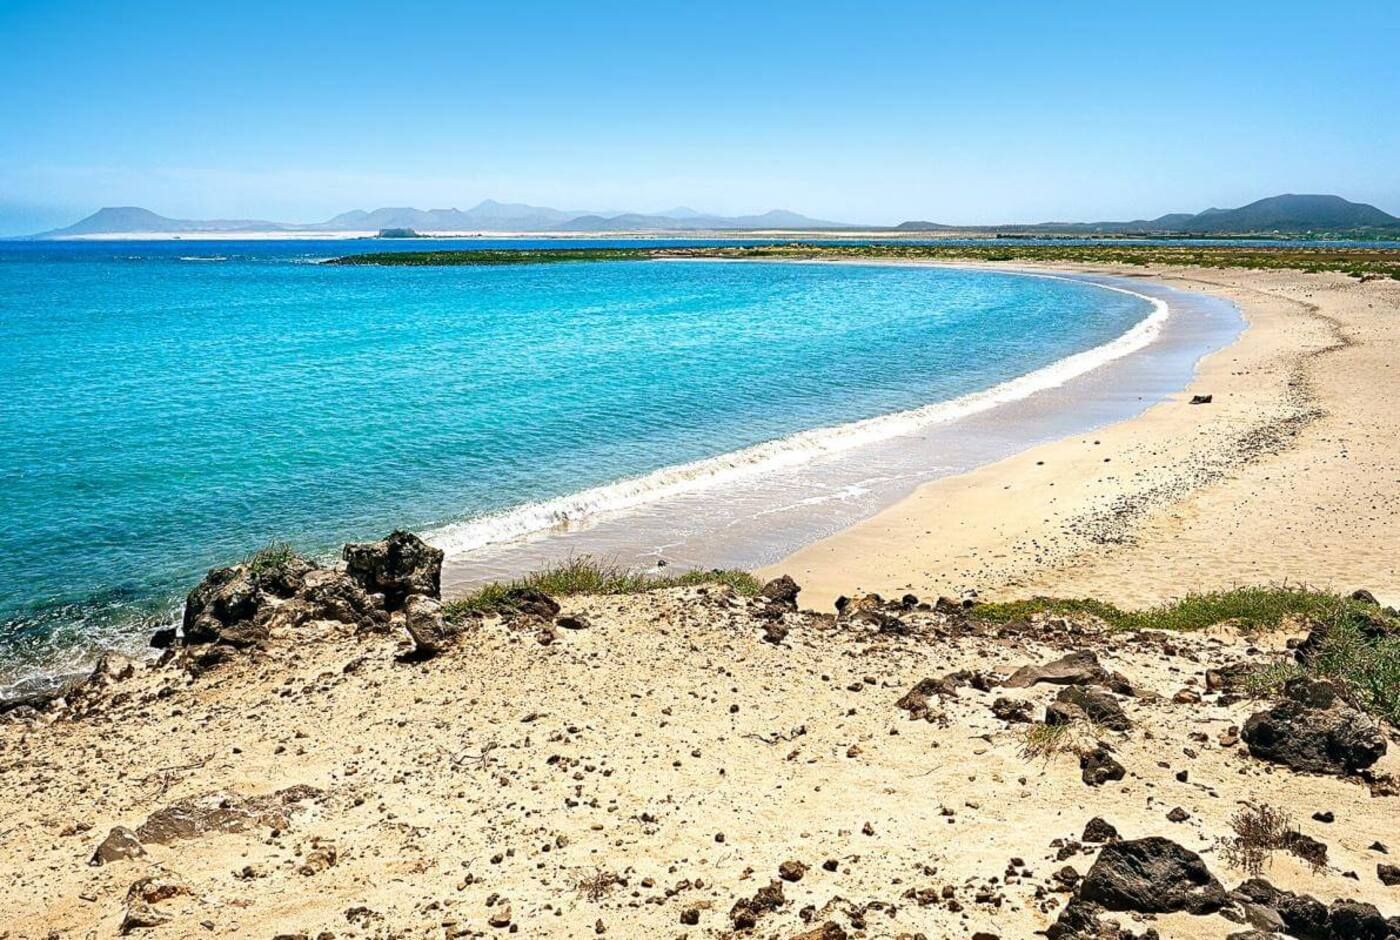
<point>874,112</point>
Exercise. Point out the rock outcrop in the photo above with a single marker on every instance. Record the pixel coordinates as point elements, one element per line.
<point>397,567</point>
<point>1077,668</point>
<point>1088,703</point>
<point>1313,730</point>
<point>1151,876</point>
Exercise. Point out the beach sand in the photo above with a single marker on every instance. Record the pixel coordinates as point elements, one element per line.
<point>1291,474</point>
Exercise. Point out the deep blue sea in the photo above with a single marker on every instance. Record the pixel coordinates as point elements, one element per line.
<point>169,406</point>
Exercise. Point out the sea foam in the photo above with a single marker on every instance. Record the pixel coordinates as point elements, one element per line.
<point>579,510</point>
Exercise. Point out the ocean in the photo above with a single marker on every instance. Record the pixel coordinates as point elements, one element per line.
<point>170,406</point>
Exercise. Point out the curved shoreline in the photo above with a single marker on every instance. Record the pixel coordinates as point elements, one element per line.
<point>589,506</point>
<point>1286,478</point>
<point>641,520</point>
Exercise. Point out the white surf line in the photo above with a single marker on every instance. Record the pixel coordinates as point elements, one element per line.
<point>587,507</point>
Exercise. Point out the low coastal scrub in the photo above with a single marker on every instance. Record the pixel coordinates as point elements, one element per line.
<point>1364,263</point>
<point>271,557</point>
<point>1354,641</point>
<point>491,256</point>
<point>586,575</point>
<point>1251,608</point>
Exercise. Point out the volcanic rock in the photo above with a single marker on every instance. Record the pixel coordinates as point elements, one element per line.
<point>530,603</point>
<point>121,843</point>
<point>1079,668</point>
<point>1313,731</point>
<point>397,567</point>
<point>1151,876</point>
<point>781,591</point>
<point>1098,767</point>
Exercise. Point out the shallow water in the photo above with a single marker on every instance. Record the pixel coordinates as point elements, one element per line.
<point>168,407</point>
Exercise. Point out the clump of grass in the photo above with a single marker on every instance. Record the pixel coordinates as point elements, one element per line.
<point>1267,681</point>
<point>586,575</point>
<point>271,557</point>
<point>1008,611</point>
<point>1360,647</point>
<point>1361,650</point>
<point>1260,831</point>
<point>1042,741</point>
<point>1251,608</point>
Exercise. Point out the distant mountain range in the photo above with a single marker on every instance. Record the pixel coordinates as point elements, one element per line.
<point>1287,215</point>
<point>488,216</point>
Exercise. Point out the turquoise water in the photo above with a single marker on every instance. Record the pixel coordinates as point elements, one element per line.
<point>165,407</point>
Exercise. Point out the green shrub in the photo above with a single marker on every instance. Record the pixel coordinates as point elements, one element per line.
<point>585,575</point>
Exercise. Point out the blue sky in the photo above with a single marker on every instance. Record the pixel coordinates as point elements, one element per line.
<point>871,111</point>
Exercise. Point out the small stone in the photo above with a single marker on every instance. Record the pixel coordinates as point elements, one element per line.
<point>121,843</point>
<point>792,870</point>
<point>1099,830</point>
<point>500,916</point>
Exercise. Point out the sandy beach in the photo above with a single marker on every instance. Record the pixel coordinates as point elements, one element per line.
<point>1288,476</point>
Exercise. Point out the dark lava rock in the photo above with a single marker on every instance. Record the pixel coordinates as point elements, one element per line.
<point>222,608</point>
<point>1178,815</point>
<point>1303,916</point>
<point>745,913</point>
<point>792,870</point>
<point>1388,874</point>
<point>1098,767</point>
<point>1202,399</point>
<point>1365,597</point>
<point>916,700</point>
<point>1099,830</point>
<point>530,602</point>
<point>781,591</point>
<point>1354,920</point>
<point>397,566</point>
<point>1312,730</point>
<point>121,843</point>
<point>775,632</point>
<point>1079,668</point>
<point>1099,707</point>
<point>1310,850</point>
<point>1012,710</point>
<point>573,622</point>
<point>240,605</point>
<point>326,594</point>
<point>1151,876</point>
<point>1079,919</point>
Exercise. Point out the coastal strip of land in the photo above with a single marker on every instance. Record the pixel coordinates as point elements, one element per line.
<point>1361,263</point>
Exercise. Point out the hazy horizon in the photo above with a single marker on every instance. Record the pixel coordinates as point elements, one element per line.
<point>1008,113</point>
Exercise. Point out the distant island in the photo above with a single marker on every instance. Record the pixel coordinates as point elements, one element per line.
<point>1289,215</point>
